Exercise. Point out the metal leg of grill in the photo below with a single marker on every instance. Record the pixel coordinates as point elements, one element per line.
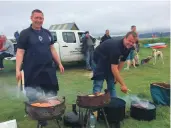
<point>39,126</point>
<point>86,115</point>
<point>87,118</point>
<point>57,121</point>
<point>81,118</point>
<point>105,118</point>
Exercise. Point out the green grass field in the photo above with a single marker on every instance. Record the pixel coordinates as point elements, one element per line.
<point>75,80</point>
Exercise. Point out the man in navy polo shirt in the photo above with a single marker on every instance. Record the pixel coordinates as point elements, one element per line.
<point>109,58</point>
<point>36,51</point>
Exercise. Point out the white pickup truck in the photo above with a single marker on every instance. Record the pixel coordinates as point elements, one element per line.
<point>67,44</point>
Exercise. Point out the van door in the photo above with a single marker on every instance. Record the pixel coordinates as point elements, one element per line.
<point>68,47</point>
<point>80,42</point>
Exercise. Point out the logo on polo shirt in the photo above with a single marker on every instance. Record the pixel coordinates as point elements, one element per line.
<point>40,38</point>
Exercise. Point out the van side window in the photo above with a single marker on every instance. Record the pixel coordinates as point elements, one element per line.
<point>54,36</point>
<point>69,37</point>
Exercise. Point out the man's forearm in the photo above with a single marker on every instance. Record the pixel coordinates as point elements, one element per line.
<point>117,76</point>
<point>55,56</point>
<point>121,65</point>
<point>19,59</point>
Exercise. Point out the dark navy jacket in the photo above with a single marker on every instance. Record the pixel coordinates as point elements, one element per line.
<point>104,38</point>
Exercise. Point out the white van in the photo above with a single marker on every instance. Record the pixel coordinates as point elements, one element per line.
<point>68,44</point>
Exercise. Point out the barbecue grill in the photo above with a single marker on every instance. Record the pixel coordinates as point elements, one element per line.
<point>45,113</point>
<point>92,103</point>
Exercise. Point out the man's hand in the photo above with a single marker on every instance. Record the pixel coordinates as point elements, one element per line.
<point>61,68</point>
<point>124,89</point>
<point>18,75</point>
<point>19,60</point>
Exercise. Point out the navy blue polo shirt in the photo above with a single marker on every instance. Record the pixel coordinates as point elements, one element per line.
<point>30,37</point>
<point>109,52</point>
<point>112,51</point>
<point>36,43</point>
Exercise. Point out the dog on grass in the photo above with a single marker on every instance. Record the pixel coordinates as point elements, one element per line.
<point>136,58</point>
<point>146,60</point>
<point>157,54</point>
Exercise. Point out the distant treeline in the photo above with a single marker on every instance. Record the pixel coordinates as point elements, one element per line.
<point>157,34</point>
<point>148,35</point>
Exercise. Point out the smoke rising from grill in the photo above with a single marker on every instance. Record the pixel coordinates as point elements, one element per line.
<point>13,92</point>
<point>38,93</point>
<point>138,102</point>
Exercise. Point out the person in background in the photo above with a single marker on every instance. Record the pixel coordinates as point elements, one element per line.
<point>7,50</point>
<point>88,49</point>
<point>105,37</point>
<point>109,58</point>
<point>16,35</point>
<point>137,46</point>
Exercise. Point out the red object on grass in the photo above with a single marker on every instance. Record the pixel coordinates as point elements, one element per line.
<point>159,46</point>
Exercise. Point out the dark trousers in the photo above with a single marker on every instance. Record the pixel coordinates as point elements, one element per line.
<point>2,56</point>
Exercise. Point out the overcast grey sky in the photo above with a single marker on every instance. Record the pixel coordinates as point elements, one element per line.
<point>93,16</point>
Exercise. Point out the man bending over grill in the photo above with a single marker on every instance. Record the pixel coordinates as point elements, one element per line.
<point>109,58</point>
